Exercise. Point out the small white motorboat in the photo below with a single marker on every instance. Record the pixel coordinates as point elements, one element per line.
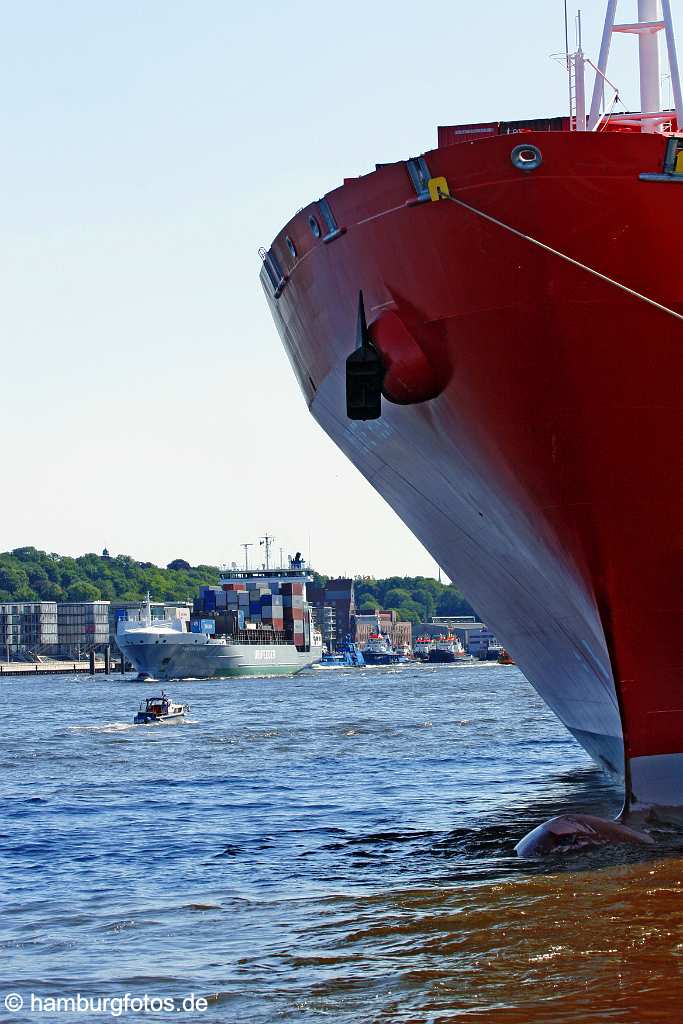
<point>160,709</point>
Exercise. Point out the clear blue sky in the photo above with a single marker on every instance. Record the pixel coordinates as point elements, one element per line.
<point>149,149</point>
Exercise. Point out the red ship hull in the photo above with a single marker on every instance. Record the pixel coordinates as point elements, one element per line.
<point>536,449</point>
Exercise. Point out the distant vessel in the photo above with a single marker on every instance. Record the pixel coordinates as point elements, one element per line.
<point>255,623</point>
<point>378,650</point>
<point>349,655</point>
<point>446,649</point>
<point>505,658</point>
<point>489,650</point>
<point>332,658</point>
<point>423,646</point>
<point>160,709</point>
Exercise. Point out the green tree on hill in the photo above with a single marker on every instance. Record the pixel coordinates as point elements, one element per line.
<point>414,598</point>
<point>83,591</point>
<point>178,563</point>
<point>395,597</point>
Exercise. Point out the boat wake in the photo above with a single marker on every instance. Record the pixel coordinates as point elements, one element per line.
<point>115,727</point>
<point>109,727</point>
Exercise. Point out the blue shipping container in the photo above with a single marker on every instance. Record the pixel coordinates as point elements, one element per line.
<point>203,626</point>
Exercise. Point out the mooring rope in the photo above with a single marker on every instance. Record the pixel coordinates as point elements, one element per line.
<point>560,255</point>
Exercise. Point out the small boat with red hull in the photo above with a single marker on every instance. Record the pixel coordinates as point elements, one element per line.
<point>551,489</point>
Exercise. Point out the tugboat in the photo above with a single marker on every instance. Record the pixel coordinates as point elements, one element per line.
<point>446,650</point>
<point>348,655</point>
<point>505,658</point>
<point>404,653</point>
<point>423,646</point>
<point>352,653</point>
<point>332,658</point>
<point>378,650</point>
<point>160,709</point>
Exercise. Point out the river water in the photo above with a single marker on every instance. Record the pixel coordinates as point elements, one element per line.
<point>333,847</point>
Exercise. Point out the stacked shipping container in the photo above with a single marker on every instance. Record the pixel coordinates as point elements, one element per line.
<point>269,606</point>
<point>293,611</point>
<point>272,610</point>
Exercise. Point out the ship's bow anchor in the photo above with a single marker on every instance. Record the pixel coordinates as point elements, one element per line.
<point>364,374</point>
<point>388,362</point>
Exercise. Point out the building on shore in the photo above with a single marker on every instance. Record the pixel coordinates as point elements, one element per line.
<point>27,629</point>
<point>33,629</point>
<point>82,626</point>
<point>325,619</point>
<point>333,607</point>
<point>400,633</point>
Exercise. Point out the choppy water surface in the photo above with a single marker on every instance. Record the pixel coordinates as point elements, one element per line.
<point>338,846</point>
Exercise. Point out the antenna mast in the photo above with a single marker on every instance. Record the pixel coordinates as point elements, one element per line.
<point>580,80</point>
<point>246,555</point>
<point>266,541</point>
<point>567,61</point>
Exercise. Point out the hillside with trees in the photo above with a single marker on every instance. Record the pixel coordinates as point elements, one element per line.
<point>27,574</point>
<point>30,575</point>
<point>414,598</point>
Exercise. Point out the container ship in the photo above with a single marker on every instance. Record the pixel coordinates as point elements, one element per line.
<point>254,623</point>
<point>492,332</point>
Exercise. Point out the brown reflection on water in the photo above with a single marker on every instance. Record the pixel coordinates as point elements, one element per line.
<point>594,946</point>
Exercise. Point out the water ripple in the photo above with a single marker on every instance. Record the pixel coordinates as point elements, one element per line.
<point>336,846</point>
